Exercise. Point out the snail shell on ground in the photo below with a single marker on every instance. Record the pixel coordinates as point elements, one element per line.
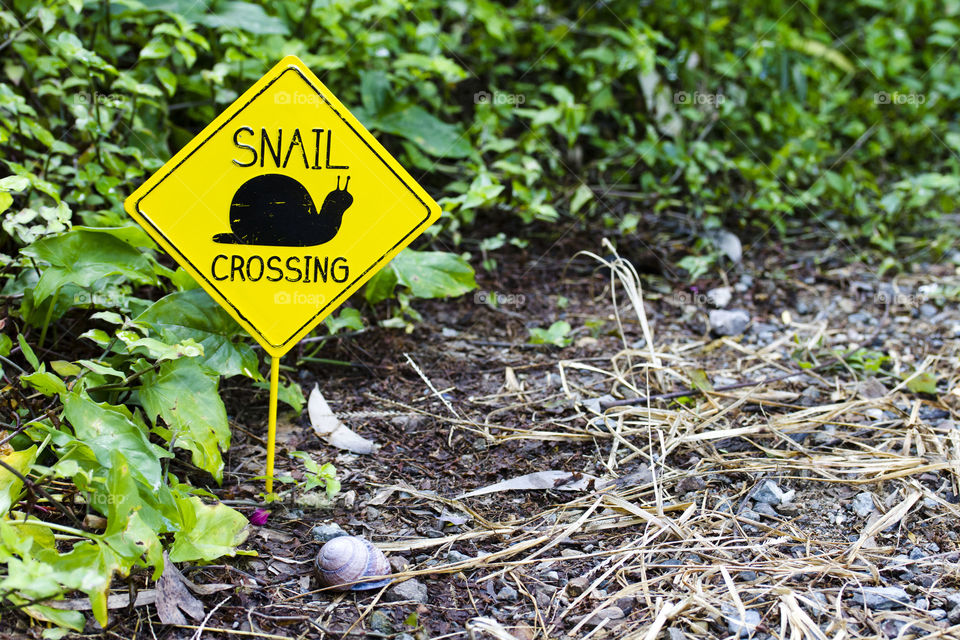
<point>346,559</point>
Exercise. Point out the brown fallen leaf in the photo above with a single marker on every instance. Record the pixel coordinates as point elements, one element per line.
<point>174,597</point>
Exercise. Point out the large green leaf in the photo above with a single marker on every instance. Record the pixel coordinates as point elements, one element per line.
<point>209,531</point>
<point>194,314</point>
<point>434,274</point>
<point>10,484</point>
<point>105,427</point>
<point>185,396</point>
<point>83,256</point>
<point>431,134</point>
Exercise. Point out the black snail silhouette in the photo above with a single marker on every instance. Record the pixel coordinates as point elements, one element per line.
<point>276,210</point>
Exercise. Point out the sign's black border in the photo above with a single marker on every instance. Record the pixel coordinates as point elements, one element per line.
<point>147,219</point>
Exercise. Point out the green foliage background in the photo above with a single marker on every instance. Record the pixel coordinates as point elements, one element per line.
<point>773,117</point>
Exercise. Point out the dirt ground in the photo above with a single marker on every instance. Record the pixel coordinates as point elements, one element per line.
<point>819,505</point>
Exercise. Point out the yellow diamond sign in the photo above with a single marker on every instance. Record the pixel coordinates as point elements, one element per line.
<point>283,206</point>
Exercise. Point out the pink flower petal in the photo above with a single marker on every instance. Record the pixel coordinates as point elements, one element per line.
<point>259,517</point>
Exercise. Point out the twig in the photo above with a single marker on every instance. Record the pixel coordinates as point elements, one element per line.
<point>33,486</point>
<point>199,631</point>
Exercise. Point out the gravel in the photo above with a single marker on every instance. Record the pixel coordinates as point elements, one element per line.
<point>720,296</point>
<point>327,532</point>
<point>741,627</point>
<point>879,598</point>
<point>863,504</point>
<point>407,590</point>
<point>729,323</point>
<point>768,493</point>
<point>508,594</point>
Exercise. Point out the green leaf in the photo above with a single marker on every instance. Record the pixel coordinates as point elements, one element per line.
<point>193,314</point>
<point>244,16</point>
<point>434,274</point>
<point>28,353</point>
<point>698,377</point>
<point>104,427</point>
<point>10,485</point>
<point>45,382</point>
<point>925,382</point>
<point>209,532</point>
<point>349,318</point>
<point>167,78</point>
<point>431,134</point>
<point>155,49</point>
<point>186,397</point>
<point>82,257</point>
<point>555,335</point>
<point>381,286</point>
<point>288,392</point>
<point>581,196</point>
<point>14,183</point>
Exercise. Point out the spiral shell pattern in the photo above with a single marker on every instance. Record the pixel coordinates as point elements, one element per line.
<point>346,559</point>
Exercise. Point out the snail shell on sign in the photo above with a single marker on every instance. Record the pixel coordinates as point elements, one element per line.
<point>346,559</point>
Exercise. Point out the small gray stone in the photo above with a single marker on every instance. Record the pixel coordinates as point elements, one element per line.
<point>768,493</point>
<point>607,613</point>
<point>922,603</point>
<point>508,594</point>
<point>863,504</point>
<point>729,323</point>
<point>927,310</point>
<point>765,509</point>
<point>379,621</point>
<point>954,615</point>
<point>741,627</point>
<point>916,554</point>
<point>676,634</point>
<point>456,556</point>
<point>937,614</point>
<point>882,597</point>
<point>327,532</point>
<point>720,297</point>
<point>954,599</point>
<point>407,590</point>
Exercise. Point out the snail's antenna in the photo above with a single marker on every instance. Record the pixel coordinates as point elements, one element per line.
<point>346,184</point>
<point>338,183</point>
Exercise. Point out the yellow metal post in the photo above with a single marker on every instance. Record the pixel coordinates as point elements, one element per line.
<point>272,425</point>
